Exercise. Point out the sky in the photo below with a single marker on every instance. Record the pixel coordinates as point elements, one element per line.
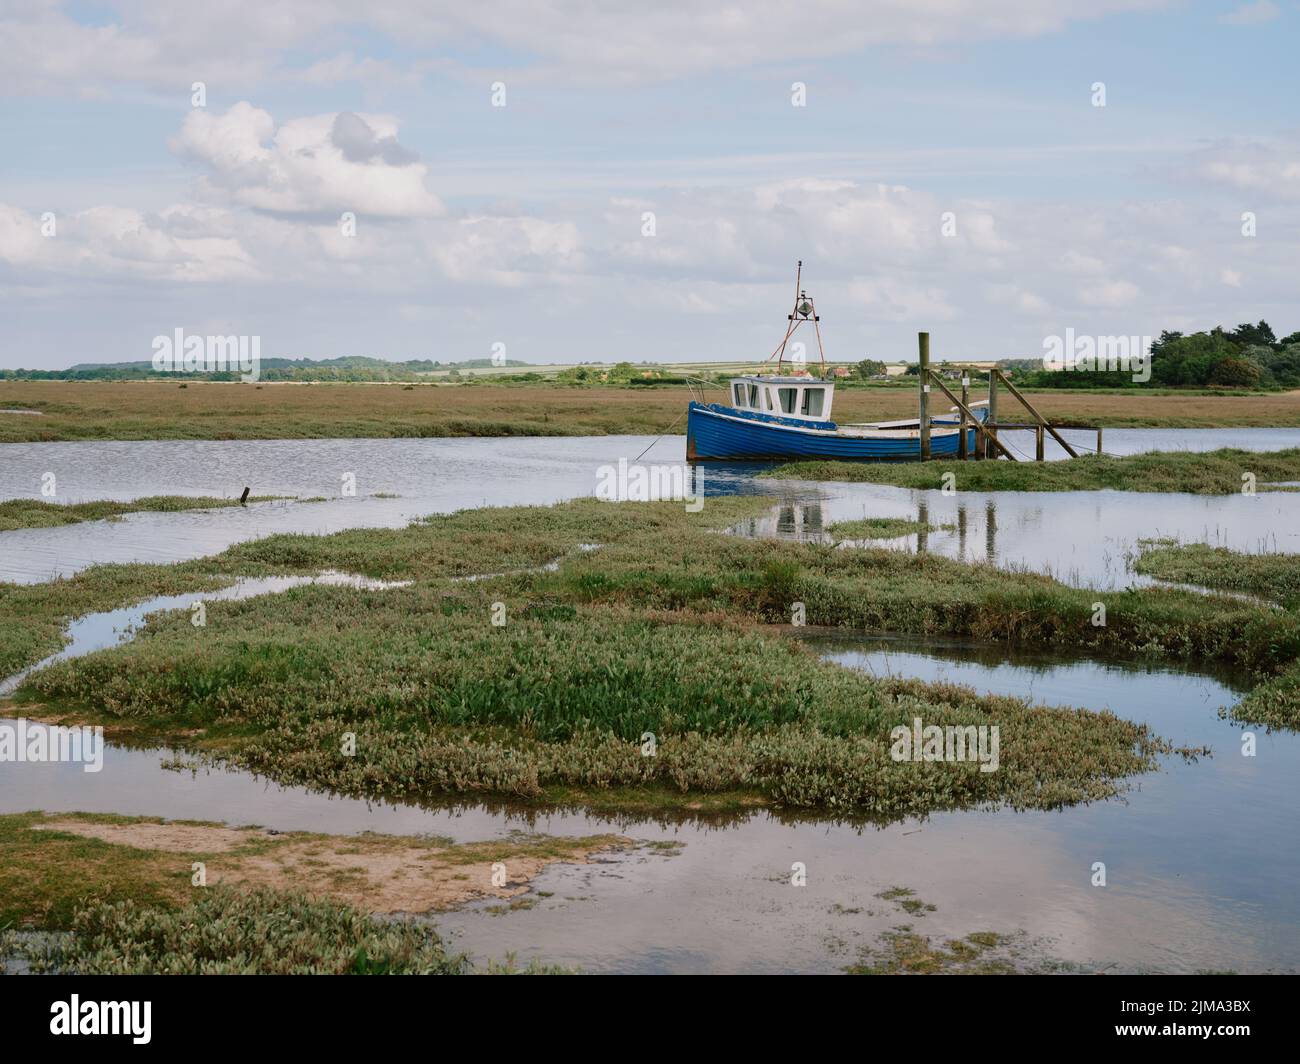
<point>600,181</point>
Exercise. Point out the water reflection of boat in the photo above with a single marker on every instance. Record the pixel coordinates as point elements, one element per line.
<point>805,520</point>
<point>788,520</point>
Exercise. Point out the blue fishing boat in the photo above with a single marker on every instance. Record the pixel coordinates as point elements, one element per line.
<point>782,416</point>
<point>742,432</point>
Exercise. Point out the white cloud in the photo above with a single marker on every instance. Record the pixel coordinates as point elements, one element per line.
<point>120,242</point>
<point>714,282</point>
<point>1019,299</point>
<point>509,251</point>
<point>21,242</point>
<point>893,300</point>
<point>1265,168</point>
<point>332,162</point>
<point>345,67</point>
<point>1116,293</point>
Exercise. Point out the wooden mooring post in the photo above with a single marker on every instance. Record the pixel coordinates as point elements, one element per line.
<point>965,402</point>
<point>923,354</point>
<point>992,415</point>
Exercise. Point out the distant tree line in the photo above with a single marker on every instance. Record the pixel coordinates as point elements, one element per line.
<point>1249,356</point>
<point>343,368</point>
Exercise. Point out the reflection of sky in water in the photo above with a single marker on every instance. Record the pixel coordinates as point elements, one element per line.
<point>1201,857</point>
<point>1079,535</point>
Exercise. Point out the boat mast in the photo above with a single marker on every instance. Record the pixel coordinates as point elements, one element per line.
<point>804,310</point>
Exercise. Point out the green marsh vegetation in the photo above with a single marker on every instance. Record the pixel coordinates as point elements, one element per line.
<point>37,513</point>
<point>228,932</point>
<point>904,952</point>
<point>1212,473</point>
<point>879,528</point>
<point>669,627</point>
<point>1274,577</point>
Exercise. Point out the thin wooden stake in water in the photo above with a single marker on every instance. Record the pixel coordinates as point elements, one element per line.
<point>924,354</point>
<point>243,499</point>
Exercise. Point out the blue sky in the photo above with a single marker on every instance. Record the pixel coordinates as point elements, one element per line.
<point>523,224</point>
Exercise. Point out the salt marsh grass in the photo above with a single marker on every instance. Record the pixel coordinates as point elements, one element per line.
<point>227,932</point>
<point>37,513</point>
<point>1210,473</point>
<point>668,628</point>
<point>1272,576</point>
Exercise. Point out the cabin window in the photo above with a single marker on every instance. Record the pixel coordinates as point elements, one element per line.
<point>767,397</point>
<point>787,396</point>
<point>738,394</point>
<point>753,396</point>
<point>812,401</point>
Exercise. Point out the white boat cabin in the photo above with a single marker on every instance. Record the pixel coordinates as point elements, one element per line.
<point>799,398</point>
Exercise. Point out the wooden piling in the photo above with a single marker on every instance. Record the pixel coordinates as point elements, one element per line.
<point>243,499</point>
<point>989,452</point>
<point>965,402</point>
<point>923,340</point>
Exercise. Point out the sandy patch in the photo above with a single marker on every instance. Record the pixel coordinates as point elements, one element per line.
<point>171,838</point>
<point>375,873</point>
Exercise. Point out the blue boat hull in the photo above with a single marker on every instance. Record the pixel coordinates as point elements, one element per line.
<point>713,435</point>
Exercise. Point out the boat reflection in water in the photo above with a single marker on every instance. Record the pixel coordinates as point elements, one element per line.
<point>805,520</point>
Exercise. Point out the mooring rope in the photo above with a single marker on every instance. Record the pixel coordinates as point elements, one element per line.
<point>660,436</point>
